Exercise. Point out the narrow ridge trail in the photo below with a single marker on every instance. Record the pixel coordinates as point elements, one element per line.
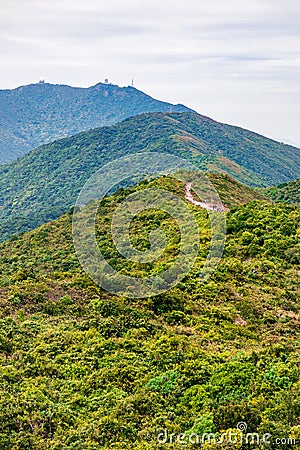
<point>208,205</point>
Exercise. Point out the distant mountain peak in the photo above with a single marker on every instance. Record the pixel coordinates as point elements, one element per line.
<point>38,113</point>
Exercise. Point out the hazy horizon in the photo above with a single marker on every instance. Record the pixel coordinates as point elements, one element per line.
<point>237,62</point>
<point>286,141</point>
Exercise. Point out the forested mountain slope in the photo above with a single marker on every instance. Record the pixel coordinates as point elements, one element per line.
<point>81,368</point>
<point>40,113</point>
<point>285,192</point>
<point>43,184</point>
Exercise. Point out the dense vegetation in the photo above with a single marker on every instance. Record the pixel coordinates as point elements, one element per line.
<point>40,113</point>
<point>82,369</point>
<point>43,184</point>
<point>285,192</point>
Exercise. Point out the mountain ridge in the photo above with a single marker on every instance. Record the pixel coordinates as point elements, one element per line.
<point>44,183</point>
<point>36,114</point>
<point>81,367</point>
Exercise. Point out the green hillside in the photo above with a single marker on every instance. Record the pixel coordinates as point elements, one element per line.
<point>82,369</point>
<point>40,113</point>
<point>285,192</point>
<point>43,184</point>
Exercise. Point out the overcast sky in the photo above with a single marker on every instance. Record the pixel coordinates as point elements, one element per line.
<point>234,60</point>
